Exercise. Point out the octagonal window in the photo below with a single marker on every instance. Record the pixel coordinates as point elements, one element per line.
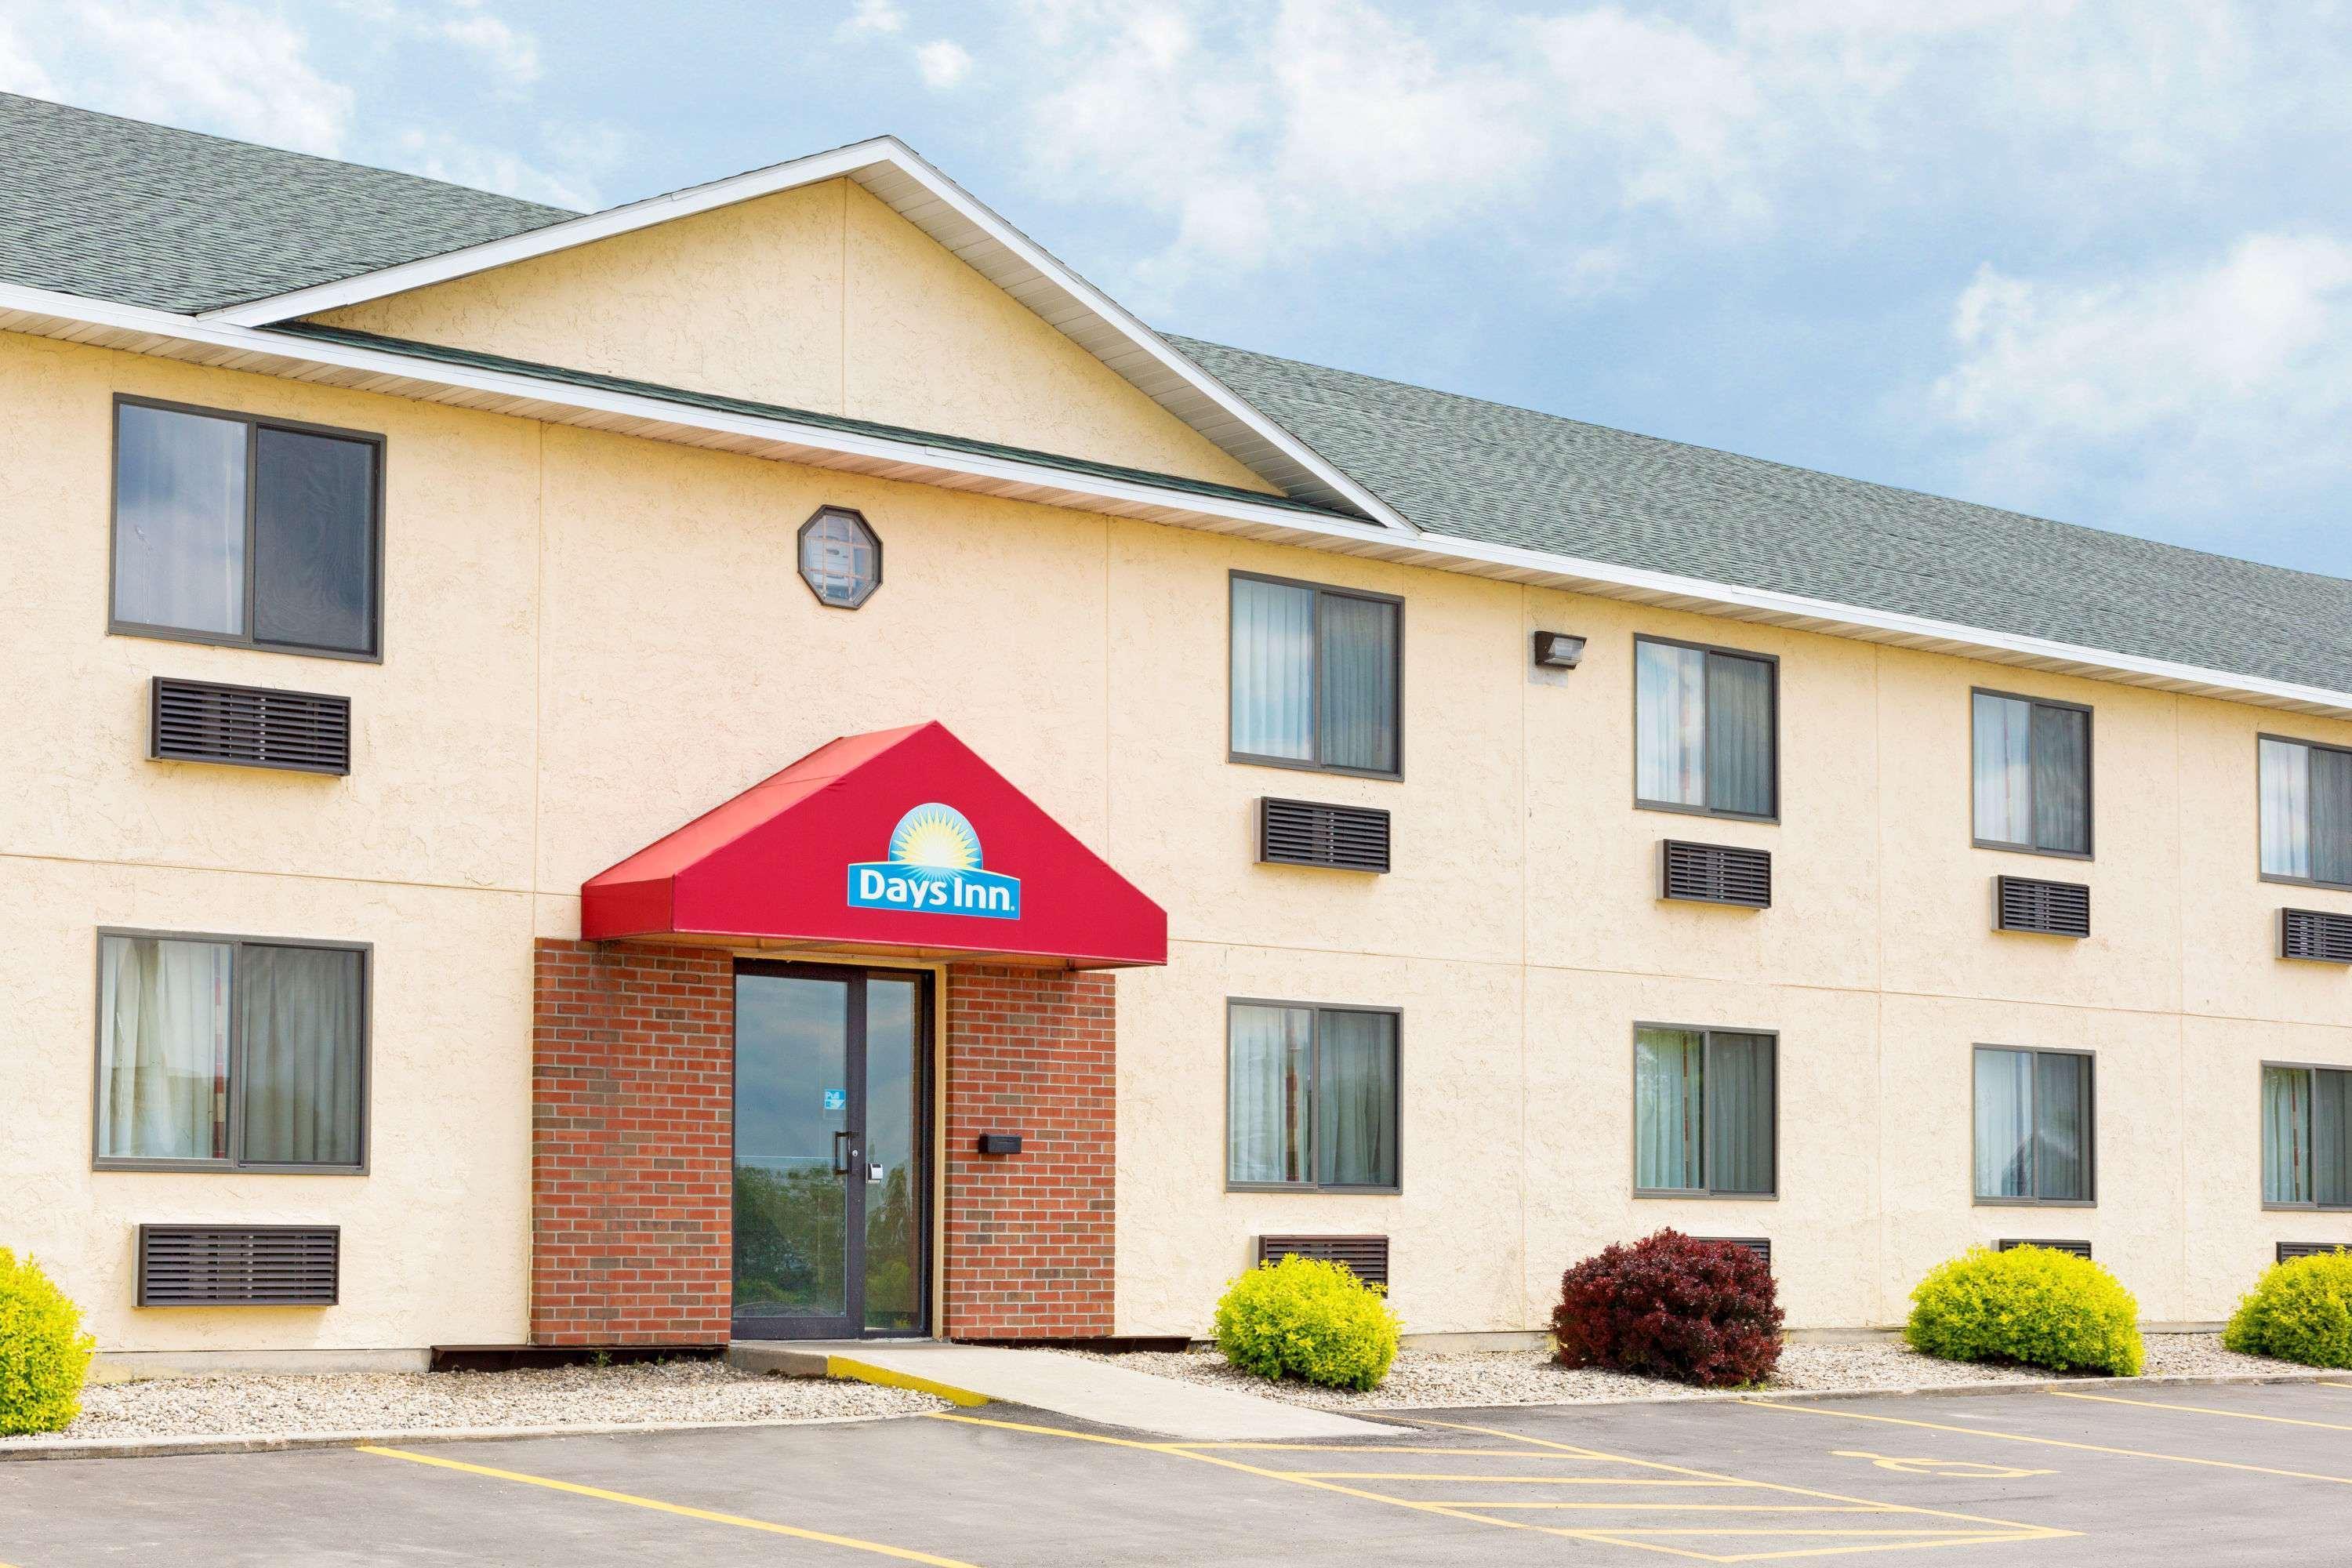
<point>840,560</point>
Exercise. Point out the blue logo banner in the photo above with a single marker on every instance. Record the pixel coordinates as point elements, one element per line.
<point>934,869</point>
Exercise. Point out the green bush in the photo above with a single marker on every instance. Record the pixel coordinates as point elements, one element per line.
<point>1308,1318</point>
<point>2298,1310</point>
<point>44,1354</point>
<point>2029,1305</point>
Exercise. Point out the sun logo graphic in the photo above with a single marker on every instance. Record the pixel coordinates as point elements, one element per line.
<point>934,868</point>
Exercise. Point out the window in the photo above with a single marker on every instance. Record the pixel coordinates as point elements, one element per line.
<point>1310,1096</point>
<point>218,1052</point>
<point>2033,1133</point>
<point>232,530</point>
<point>1704,724</point>
<point>2306,1137</point>
<point>2032,775</point>
<point>1314,676</point>
<point>841,559</point>
<point>2306,812</point>
<point>1705,1109</point>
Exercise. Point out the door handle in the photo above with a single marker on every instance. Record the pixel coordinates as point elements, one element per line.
<point>840,1165</point>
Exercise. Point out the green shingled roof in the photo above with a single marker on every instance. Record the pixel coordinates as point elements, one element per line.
<point>121,210</point>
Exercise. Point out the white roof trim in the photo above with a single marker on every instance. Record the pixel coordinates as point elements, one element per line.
<point>927,198</point>
<point>138,330</point>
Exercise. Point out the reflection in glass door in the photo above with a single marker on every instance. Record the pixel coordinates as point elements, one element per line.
<point>832,1196</point>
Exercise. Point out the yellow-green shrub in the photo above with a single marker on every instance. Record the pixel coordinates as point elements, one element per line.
<point>2300,1310</point>
<point>2029,1305</point>
<point>1308,1318</point>
<point>44,1354</point>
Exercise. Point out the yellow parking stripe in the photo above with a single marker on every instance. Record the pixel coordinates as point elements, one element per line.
<point>2204,1410</point>
<point>2045,1442</point>
<point>1511,1480</point>
<point>852,1542</point>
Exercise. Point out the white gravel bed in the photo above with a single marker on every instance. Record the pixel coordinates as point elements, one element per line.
<point>281,1405</point>
<point>1428,1380</point>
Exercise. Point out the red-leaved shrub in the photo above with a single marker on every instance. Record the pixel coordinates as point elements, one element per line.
<point>1698,1312</point>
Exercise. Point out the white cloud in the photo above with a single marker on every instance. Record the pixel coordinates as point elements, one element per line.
<point>872,16</point>
<point>509,53</point>
<point>2211,381</point>
<point>942,63</point>
<point>440,155</point>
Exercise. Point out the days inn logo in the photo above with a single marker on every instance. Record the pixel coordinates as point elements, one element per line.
<point>934,866</point>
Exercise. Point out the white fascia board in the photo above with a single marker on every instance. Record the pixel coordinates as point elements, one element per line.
<point>841,162</point>
<point>1277,524</point>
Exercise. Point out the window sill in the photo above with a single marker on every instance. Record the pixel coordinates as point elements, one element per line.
<point>1676,810</point>
<point>223,1168</point>
<point>2084,856</point>
<point>1704,1195</point>
<point>2269,1207</point>
<point>2035,1203</point>
<point>1315,1188</point>
<point>207,639</point>
<point>1293,764</point>
<point>2286,881</point>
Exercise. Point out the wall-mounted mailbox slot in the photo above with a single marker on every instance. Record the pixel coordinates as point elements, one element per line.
<point>1000,1142</point>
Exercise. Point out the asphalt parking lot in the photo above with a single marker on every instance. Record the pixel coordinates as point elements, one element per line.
<point>2152,1478</point>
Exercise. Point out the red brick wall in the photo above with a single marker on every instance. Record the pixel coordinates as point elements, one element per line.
<point>1029,1236</point>
<point>632,1107</point>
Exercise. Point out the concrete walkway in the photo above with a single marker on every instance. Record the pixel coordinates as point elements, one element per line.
<point>1087,1390</point>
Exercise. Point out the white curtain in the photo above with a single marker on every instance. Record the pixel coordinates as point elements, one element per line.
<point>1670,723</point>
<point>1272,669</point>
<point>1356,1124</point>
<point>2003,770</point>
<point>1270,1052</point>
<point>299,1093</point>
<point>163,1045</point>
<point>1669,1084</point>
<point>2287,808</point>
<point>2286,1135</point>
<point>2004,1124</point>
<point>179,521</point>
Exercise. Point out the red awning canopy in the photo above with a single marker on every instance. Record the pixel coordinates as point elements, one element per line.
<point>899,842</point>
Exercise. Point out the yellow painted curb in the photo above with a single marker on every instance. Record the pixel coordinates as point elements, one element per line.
<point>853,1371</point>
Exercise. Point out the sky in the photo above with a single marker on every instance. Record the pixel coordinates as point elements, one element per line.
<point>2088,261</point>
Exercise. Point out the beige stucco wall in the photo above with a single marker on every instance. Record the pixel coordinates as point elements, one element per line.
<point>590,638</point>
<point>820,299</point>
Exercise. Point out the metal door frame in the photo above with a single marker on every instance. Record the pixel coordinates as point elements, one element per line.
<point>850,1323</point>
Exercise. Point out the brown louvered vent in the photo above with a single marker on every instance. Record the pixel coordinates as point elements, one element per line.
<point>2051,908</point>
<point>1366,1256</point>
<point>239,1266</point>
<point>2079,1249</point>
<point>2287,1249</point>
<point>1716,874</point>
<point>250,726</point>
<point>1315,833</point>
<point>1761,1246</point>
<point>2315,934</point>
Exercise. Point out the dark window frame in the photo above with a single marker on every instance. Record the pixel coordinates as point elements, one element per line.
<point>1315,726</point>
<point>365,951</point>
<point>800,555</point>
<point>2310,1072</point>
<point>1315,1088</point>
<point>2090,1131</point>
<point>2279,876</point>
<point>2090,777</point>
<point>1771,661</point>
<point>253,424</point>
<point>1706,1032</point>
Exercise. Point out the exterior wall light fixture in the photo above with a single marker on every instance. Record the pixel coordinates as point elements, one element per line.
<point>1558,650</point>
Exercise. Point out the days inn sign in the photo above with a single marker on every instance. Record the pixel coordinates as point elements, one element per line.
<point>934,866</point>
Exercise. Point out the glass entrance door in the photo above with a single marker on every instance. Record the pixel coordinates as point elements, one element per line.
<point>831,1191</point>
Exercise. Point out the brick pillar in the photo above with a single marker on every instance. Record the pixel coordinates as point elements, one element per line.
<point>632,1110</point>
<point>1029,1236</point>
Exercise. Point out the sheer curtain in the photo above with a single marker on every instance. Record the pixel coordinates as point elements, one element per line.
<point>2062,1126</point>
<point>1670,723</point>
<point>2286,1135</point>
<point>1270,1053</point>
<point>2004,1155</point>
<point>2004,789</point>
<point>2331,1137</point>
<point>2287,808</point>
<point>163,1043</point>
<point>2062,780</point>
<point>299,1088</point>
<point>1739,1081</point>
<point>179,520</point>
<point>1669,1086</point>
<point>1740,734</point>
<point>1272,669</point>
<point>1356,1123</point>
<point>2331,815</point>
<point>1358,683</point>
